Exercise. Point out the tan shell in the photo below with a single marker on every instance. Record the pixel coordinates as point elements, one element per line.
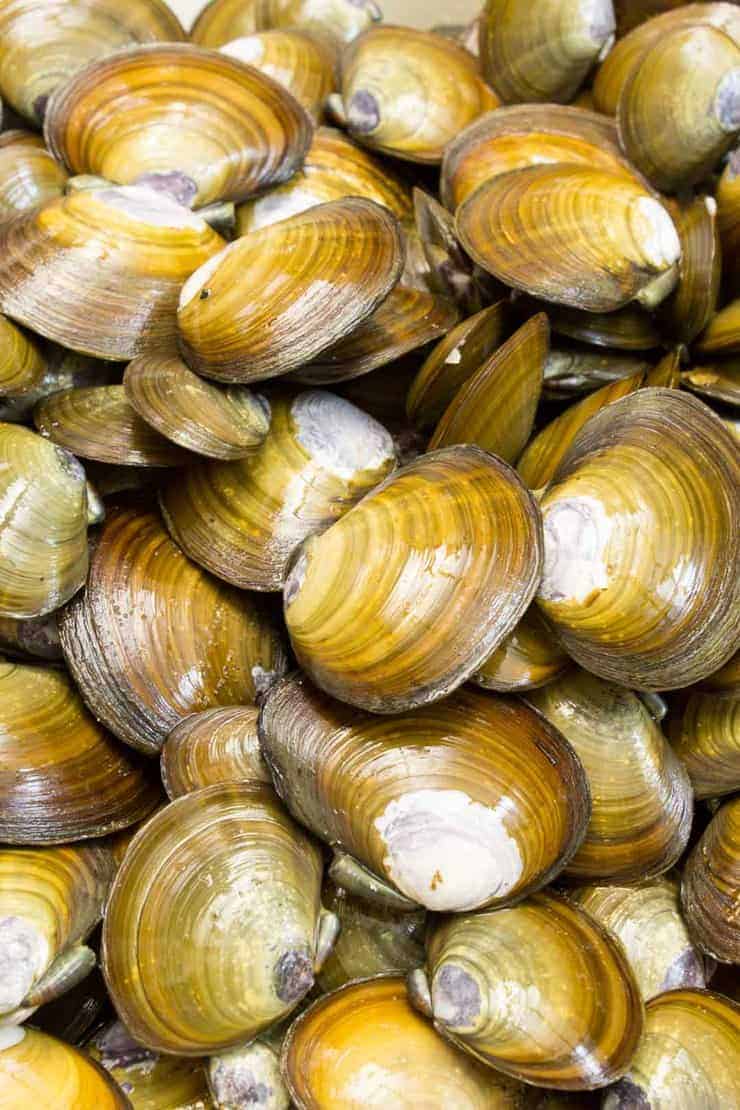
<point>29,176</point>
<point>710,891</point>
<point>152,1081</point>
<point>216,745</point>
<point>722,334</point>
<point>22,365</point>
<point>224,20</point>
<point>529,657</point>
<point>304,63</point>
<point>705,734</point>
<point>39,1070</point>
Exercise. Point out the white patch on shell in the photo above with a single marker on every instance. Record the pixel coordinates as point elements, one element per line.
<point>249,49</point>
<point>248,1077</point>
<point>577,533</point>
<point>10,1036</point>
<point>727,101</point>
<point>276,205</point>
<point>145,205</point>
<point>655,233</point>
<point>202,275</point>
<point>448,852</point>
<point>24,956</point>
<point>338,436</point>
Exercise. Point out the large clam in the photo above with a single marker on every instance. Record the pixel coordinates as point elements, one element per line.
<point>39,1070</point>
<point>216,745</point>
<point>711,886</point>
<point>217,900</point>
<point>303,62</point>
<point>379,608</point>
<point>471,802</point>
<point>221,21</point>
<point>29,176</point>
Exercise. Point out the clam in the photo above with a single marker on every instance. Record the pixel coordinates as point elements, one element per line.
<point>666,374</point>
<point>471,802</point>
<point>217,899</point>
<point>719,381</point>
<point>640,579</point>
<point>646,917</point>
<point>693,302</point>
<point>582,237</point>
<point>542,50</point>
<point>44,42</point>
<point>710,891</point>
<point>63,370</point>
<point>525,135</point>
<point>224,20</point>
<point>216,745</point>
<point>37,638</point>
<point>150,1080</point>
<point>453,361</point>
<point>545,451</point>
<point>335,168</point>
<point>366,1038</point>
<point>29,176</point>
<point>530,656</point>
<point>250,1073</point>
<point>243,520</point>
<point>100,270</point>
<point>687,1057</point>
<point>408,93</point>
<point>63,777</point>
<point>304,63</point>
<point>50,900</point>
<point>373,939</point>
<point>541,992</point>
<point>220,423</point>
<point>43,540</point>
<point>22,365</point>
<point>496,407</point>
<point>380,607</point>
<point>154,638</point>
<point>679,110</point>
<point>99,423</point>
<point>275,299</point>
<point>722,334</point>
<point>728,219</point>
<point>39,1070</point>
<point>224,129</point>
<point>641,794</point>
<point>705,734</point>
<point>727,679</point>
<point>573,371</point>
<point>628,329</point>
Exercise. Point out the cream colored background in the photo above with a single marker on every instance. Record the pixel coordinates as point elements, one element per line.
<point>413,13</point>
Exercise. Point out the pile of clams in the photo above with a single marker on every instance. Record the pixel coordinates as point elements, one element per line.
<point>369,557</point>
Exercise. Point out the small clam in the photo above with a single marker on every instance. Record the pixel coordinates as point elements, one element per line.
<point>151,1081</point>
<point>275,299</point>
<point>22,365</point>
<point>44,538</point>
<point>471,802</point>
<point>29,176</point>
<point>364,1044</point>
<point>304,63</point>
<point>250,1073</point>
<point>36,639</point>
<point>45,42</point>
<point>216,745</point>
<point>201,644</point>
<point>719,381</point>
<point>529,657</point>
<point>220,423</point>
<point>722,334</point>
<point>705,734</point>
<point>666,374</point>
<point>679,110</point>
<point>693,302</point>
<point>218,899</point>
<point>540,992</point>
<point>224,20</point>
<point>687,1058</point>
<point>63,777</point>
<point>646,917</point>
<point>39,1070</point>
<point>220,129</point>
<point>408,93</point>
<point>710,891</point>
<point>573,371</point>
<point>380,607</point>
<point>99,271</point>
<point>628,329</point>
<point>571,234</point>
<point>728,220</point>
<point>642,542</point>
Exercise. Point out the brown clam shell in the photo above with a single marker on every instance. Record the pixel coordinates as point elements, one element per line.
<point>728,220</point>
<point>719,381</point>
<point>710,891</point>
<point>572,371</point>
<point>628,329</point>
<point>151,1080</point>
<point>304,63</point>
<point>529,657</point>
<point>36,1069</point>
<point>216,745</point>
<point>705,734</point>
<point>224,20</point>
<point>29,176</point>
<point>22,365</point>
<point>693,302</point>
<point>36,639</point>
<point>722,334</point>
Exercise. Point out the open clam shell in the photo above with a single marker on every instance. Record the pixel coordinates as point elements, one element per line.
<point>58,265</point>
<point>417,798</point>
<point>705,734</point>
<point>276,298</point>
<point>540,991</point>
<point>243,520</point>
<point>653,621</point>
<point>304,63</point>
<point>217,898</point>
<point>380,607</point>
<point>216,745</point>
<point>223,128</point>
<point>711,886</point>
<point>36,1069</point>
<point>152,1081</point>
<point>529,657</point>
<point>63,777</point>
<point>224,20</point>
<point>22,365</point>
<point>201,644</point>
<point>29,176</point>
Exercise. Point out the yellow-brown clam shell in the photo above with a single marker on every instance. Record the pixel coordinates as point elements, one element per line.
<point>710,891</point>
<point>29,176</point>
<point>705,734</point>
<point>216,745</point>
<point>224,20</point>
<point>693,302</point>
<point>728,220</point>
<point>304,63</point>
<point>572,371</point>
<point>722,334</point>
<point>152,1081</point>
<point>719,381</point>
<point>529,657</point>
<point>22,365</point>
<point>39,1070</point>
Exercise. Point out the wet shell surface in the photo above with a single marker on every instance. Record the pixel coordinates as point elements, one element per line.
<point>224,20</point>
<point>39,1070</point>
<point>529,657</point>
<point>471,802</point>
<point>378,608</point>
<point>223,129</point>
<point>22,364</point>
<point>37,638</point>
<point>304,63</point>
<point>216,745</point>
<point>718,381</point>
<point>29,176</point>
<point>152,1081</point>
<point>200,644</point>
<point>705,734</point>
<point>722,334</point>
<point>693,302</point>
<point>710,891</point>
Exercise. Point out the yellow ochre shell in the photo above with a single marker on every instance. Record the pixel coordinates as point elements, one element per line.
<point>224,20</point>
<point>710,891</point>
<point>29,176</point>
<point>216,745</point>
<point>304,63</point>
<point>39,1070</point>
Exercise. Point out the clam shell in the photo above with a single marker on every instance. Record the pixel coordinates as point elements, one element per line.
<point>530,656</point>
<point>705,734</point>
<point>540,992</point>
<point>727,679</point>
<point>37,638</point>
<point>36,1069</point>
<point>152,1081</point>
<point>226,860</point>
<point>719,381</point>
<point>219,423</point>
<point>276,298</point>
<point>304,63</point>
<point>99,271</point>
<point>728,220</point>
<point>63,777</point>
<point>224,128</point>
<point>202,644</point>
<point>22,365</point>
<point>243,520</point>
<point>408,93</point>
<point>692,304</point>
<point>414,567</point>
<point>579,236</point>
<point>234,1076</point>
<point>29,176</point>
<point>224,20</point>
<point>44,538</point>
<point>417,798</point>
<point>216,745</point>
<point>666,374</point>
<point>640,577</point>
<point>64,370</point>
<point>722,334</point>
<point>711,886</point>
<point>641,794</point>
<point>628,329</point>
